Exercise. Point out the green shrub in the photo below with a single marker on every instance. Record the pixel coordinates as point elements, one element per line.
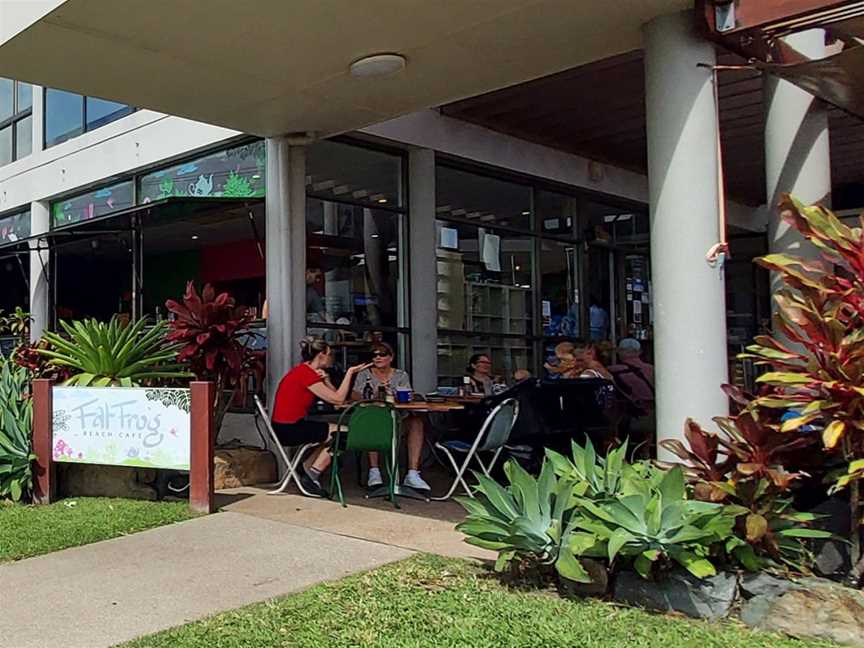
<point>16,419</point>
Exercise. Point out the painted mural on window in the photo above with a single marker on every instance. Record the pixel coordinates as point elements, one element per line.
<point>14,228</point>
<point>92,204</point>
<point>233,173</point>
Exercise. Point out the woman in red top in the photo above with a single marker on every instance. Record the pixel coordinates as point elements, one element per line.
<point>295,396</point>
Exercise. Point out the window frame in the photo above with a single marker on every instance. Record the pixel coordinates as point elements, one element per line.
<point>12,122</point>
<point>84,125</point>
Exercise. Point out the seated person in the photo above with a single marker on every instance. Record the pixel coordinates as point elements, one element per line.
<point>634,376</point>
<point>383,373</point>
<point>577,360</point>
<point>479,373</point>
<point>294,398</point>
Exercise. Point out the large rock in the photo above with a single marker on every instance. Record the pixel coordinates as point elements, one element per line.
<point>244,467</point>
<point>86,480</point>
<point>832,556</point>
<point>811,608</point>
<point>764,584</point>
<point>708,598</point>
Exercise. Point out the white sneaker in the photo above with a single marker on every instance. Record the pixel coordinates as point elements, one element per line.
<point>415,481</point>
<point>374,479</point>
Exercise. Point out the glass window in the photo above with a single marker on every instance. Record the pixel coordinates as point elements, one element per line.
<point>557,213</point>
<point>7,99</point>
<point>484,280</point>
<point>345,172</point>
<point>64,116</point>
<point>92,204</point>
<point>352,266</point>
<point>101,112</point>
<point>25,96</point>
<point>23,137</point>
<point>6,145</point>
<point>15,227</point>
<point>482,199</point>
<point>622,225</point>
<point>559,284</point>
<point>507,355</point>
<point>233,173</point>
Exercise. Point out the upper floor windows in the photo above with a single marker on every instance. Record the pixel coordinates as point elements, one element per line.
<point>68,114</point>
<point>16,120</point>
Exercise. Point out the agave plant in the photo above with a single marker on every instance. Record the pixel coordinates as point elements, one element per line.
<point>213,333</point>
<point>16,419</point>
<point>593,475</point>
<point>650,525</point>
<point>523,522</point>
<point>113,354</point>
<point>816,354</point>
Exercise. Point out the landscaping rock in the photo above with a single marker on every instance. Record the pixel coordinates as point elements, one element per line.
<point>243,467</point>
<point>85,480</point>
<point>598,586</point>
<point>709,598</point>
<point>832,556</point>
<point>762,584</point>
<point>812,608</point>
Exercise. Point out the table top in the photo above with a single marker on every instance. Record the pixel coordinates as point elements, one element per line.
<point>419,406</point>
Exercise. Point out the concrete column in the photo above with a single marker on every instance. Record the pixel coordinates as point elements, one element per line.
<point>40,300</point>
<point>38,118</point>
<point>423,270</point>
<point>797,153</point>
<point>689,295</point>
<point>286,256</point>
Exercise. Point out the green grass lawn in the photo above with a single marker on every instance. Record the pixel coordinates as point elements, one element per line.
<point>431,601</point>
<point>32,530</point>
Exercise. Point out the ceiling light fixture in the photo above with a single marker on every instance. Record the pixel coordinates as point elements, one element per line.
<point>382,201</point>
<point>194,237</point>
<point>377,65</point>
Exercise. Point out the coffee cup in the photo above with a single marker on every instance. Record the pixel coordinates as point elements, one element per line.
<point>403,395</point>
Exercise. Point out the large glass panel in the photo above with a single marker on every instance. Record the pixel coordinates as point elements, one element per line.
<point>623,225</point>
<point>7,93</point>
<point>25,96</point>
<point>23,137</point>
<point>507,355</point>
<point>92,204</point>
<point>6,145</point>
<point>101,112</point>
<point>485,200</point>
<point>64,116</point>
<point>557,213</point>
<point>233,173</point>
<point>352,265</point>
<point>352,173</point>
<point>484,280</point>
<point>560,299</point>
<point>14,228</point>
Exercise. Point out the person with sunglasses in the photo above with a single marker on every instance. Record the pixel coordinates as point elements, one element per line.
<point>382,373</point>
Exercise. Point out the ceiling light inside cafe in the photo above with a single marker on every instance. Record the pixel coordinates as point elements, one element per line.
<point>377,65</point>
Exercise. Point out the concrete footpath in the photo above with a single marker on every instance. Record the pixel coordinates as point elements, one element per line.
<point>109,592</point>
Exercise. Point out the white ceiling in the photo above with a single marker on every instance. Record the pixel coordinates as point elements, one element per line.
<point>278,66</point>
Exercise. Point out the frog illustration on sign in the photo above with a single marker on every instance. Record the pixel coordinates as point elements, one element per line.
<point>204,186</point>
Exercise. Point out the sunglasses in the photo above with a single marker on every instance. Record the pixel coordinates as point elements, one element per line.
<point>380,354</point>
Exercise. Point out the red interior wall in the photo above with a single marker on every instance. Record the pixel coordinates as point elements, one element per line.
<point>231,261</point>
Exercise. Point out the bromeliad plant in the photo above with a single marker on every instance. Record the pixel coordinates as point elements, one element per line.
<point>16,418</point>
<point>816,354</point>
<point>213,334</point>
<point>113,354</point>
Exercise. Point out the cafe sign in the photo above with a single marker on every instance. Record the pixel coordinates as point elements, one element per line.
<point>147,428</point>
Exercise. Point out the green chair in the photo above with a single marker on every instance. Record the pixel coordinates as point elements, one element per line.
<point>366,427</point>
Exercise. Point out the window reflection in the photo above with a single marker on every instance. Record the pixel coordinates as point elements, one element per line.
<point>482,199</point>
<point>68,114</point>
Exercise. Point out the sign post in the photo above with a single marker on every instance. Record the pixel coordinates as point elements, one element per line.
<point>115,426</point>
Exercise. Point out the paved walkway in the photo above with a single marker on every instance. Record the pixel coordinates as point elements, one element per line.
<point>109,592</point>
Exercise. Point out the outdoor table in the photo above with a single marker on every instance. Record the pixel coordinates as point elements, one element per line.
<point>449,405</point>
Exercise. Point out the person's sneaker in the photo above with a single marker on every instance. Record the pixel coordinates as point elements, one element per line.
<point>374,479</point>
<point>415,481</point>
<point>313,488</point>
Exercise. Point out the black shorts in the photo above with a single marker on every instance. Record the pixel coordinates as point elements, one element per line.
<point>301,432</point>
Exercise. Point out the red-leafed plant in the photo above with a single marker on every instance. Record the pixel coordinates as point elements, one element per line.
<point>745,466</point>
<point>816,353</point>
<point>214,334</point>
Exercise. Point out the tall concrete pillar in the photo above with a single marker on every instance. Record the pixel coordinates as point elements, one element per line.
<point>689,295</point>
<point>797,153</point>
<point>423,270</point>
<point>286,256</point>
<point>40,295</point>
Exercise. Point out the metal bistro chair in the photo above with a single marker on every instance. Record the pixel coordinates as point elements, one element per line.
<point>367,427</point>
<point>492,437</point>
<point>292,457</point>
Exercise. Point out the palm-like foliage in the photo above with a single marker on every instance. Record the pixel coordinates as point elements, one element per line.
<point>113,354</point>
<point>16,418</point>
